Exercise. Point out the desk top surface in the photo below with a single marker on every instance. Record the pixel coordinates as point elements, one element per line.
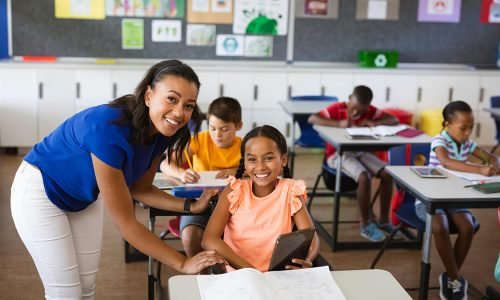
<point>494,111</point>
<point>441,192</point>
<point>337,137</point>
<point>304,107</point>
<point>376,284</point>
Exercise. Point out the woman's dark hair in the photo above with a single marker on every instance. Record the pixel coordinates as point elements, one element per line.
<point>455,106</point>
<point>271,133</point>
<point>136,113</point>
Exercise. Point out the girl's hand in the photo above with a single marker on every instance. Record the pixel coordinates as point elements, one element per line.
<point>195,264</point>
<point>224,173</point>
<point>190,176</point>
<point>303,263</point>
<point>204,201</point>
<point>487,170</point>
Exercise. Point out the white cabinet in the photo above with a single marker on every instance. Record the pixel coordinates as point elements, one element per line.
<point>485,129</point>
<point>93,87</point>
<point>210,88</point>
<point>124,82</point>
<point>489,87</point>
<point>338,85</point>
<point>304,84</point>
<point>18,107</point>
<point>270,89</point>
<point>56,99</point>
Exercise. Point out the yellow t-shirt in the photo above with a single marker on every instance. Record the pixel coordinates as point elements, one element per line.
<point>208,157</point>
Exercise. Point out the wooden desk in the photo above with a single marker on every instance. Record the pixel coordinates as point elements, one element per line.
<point>297,109</point>
<point>438,193</point>
<point>337,138</point>
<point>356,284</point>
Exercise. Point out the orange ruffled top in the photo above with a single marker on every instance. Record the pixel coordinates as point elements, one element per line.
<point>255,222</point>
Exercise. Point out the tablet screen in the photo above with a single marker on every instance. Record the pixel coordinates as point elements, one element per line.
<point>428,172</point>
<point>289,246</point>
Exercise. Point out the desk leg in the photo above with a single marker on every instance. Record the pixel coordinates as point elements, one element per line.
<point>425,265</point>
<point>151,276</point>
<point>335,223</point>
<point>292,148</point>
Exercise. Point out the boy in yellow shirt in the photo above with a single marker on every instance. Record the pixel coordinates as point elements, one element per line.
<point>215,149</point>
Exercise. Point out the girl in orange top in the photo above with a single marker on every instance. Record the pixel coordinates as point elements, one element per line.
<point>252,213</point>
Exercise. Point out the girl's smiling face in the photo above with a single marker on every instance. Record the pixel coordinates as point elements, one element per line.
<point>171,103</point>
<point>263,163</point>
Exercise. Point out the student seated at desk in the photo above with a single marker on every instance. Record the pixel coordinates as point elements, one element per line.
<point>216,149</point>
<point>252,213</point>
<point>360,165</point>
<point>452,149</point>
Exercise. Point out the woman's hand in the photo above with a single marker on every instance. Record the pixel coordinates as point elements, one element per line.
<point>204,201</point>
<point>195,264</point>
<point>190,176</point>
<point>302,263</point>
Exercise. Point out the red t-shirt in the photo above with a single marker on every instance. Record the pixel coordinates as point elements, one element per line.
<point>338,111</point>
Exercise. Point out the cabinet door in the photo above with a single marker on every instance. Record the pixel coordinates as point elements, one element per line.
<point>56,98</point>
<point>238,85</point>
<point>274,117</point>
<point>401,91</point>
<point>18,103</point>
<point>125,81</point>
<point>338,85</point>
<point>377,83</point>
<point>485,129</point>
<point>210,88</point>
<point>465,88</point>
<point>489,87</point>
<point>433,92</point>
<point>93,87</point>
<point>303,84</point>
<point>269,89</point>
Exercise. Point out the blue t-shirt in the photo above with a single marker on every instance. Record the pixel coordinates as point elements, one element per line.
<point>64,160</point>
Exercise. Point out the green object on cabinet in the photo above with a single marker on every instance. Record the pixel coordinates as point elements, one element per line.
<point>378,59</point>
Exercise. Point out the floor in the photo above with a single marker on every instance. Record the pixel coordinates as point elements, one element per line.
<point>119,280</point>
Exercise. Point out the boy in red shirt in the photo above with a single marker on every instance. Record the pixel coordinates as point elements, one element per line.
<point>360,165</point>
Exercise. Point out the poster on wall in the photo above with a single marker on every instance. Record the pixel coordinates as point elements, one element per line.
<point>490,11</point>
<point>133,34</point>
<point>151,8</point>
<point>377,10</point>
<point>260,17</point>
<point>326,9</point>
<point>79,9</point>
<point>166,31</point>
<point>200,35</point>
<point>258,46</point>
<point>210,11</point>
<point>230,45</point>
<point>442,11</point>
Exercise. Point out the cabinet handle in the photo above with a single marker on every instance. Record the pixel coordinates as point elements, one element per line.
<point>322,90</point>
<point>288,129</point>
<point>387,94</point>
<point>254,124</point>
<point>289,92</point>
<point>419,94</point>
<point>77,90</point>
<point>221,90</point>
<point>450,94</point>
<point>255,92</point>
<point>115,90</point>
<point>40,90</point>
<point>481,95</point>
<point>478,130</point>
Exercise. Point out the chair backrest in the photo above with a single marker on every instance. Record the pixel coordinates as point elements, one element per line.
<point>309,138</point>
<point>495,103</point>
<point>409,155</point>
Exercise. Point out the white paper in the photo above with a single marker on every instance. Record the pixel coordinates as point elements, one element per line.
<point>166,31</point>
<point>380,130</point>
<point>473,177</point>
<point>80,7</point>
<point>207,179</point>
<point>258,46</point>
<point>440,7</point>
<point>200,35</point>
<point>312,284</point>
<point>162,181</point>
<point>221,6</point>
<point>200,5</point>
<point>377,9</point>
<point>230,45</point>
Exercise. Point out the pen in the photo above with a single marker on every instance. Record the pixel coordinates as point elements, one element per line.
<point>188,159</point>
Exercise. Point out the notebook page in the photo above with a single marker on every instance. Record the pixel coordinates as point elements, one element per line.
<point>386,130</point>
<point>243,284</point>
<point>353,131</point>
<point>476,178</point>
<point>207,179</point>
<point>312,284</point>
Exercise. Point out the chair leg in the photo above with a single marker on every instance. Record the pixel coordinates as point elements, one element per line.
<point>385,245</point>
<point>313,193</point>
<point>495,148</point>
<point>377,192</point>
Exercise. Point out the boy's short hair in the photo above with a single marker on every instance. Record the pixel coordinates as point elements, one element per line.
<point>225,108</point>
<point>363,94</point>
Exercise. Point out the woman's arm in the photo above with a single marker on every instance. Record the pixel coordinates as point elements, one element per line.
<point>453,164</point>
<point>118,201</point>
<point>212,238</point>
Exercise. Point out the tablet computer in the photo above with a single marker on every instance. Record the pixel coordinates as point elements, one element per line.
<point>428,172</point>
<point>291,245</point>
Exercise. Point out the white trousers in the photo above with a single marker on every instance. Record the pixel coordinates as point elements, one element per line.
<point>65,246</point>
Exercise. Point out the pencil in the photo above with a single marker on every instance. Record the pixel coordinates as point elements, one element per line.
<point>188,159</point>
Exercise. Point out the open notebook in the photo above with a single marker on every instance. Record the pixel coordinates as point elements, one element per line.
<point>207,179</point>
<point>380,130</point>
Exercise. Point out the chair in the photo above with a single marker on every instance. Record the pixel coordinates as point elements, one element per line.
<point>495,103</point>
<point>406,155</point>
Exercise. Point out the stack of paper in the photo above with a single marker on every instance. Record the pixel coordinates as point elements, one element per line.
<point>380,130</point>
<point>473,177</point>
<point>314,283</point>
<point>207,179</point>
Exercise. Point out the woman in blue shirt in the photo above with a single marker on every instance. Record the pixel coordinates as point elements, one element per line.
<point>106,154</point>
